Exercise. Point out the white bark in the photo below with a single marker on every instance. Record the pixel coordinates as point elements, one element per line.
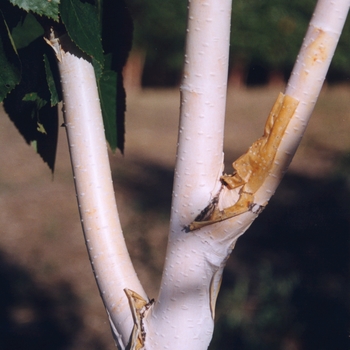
<point>95,194</point>
<point>182,317</point>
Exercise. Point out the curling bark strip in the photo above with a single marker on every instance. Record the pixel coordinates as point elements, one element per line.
<point>251,169</point>
<point>95,194</point>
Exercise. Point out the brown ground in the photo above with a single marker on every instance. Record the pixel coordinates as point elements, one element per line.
<point>47,290</point>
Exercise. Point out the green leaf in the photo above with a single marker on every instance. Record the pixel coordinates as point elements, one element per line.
<point>28,103</point>
<point>10,65</point>
<point>52,79</point>
<point>26,31</point>
<point>41,7</point>
<point>82,24</point>
<point>97,68</point>
<point>41,128</point>
<point>107,85</point>
<point>34,97</point>
<point>112,98</point>
<point>117,30</point>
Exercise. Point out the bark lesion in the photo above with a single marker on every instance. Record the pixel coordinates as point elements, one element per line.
<point>251,169</point>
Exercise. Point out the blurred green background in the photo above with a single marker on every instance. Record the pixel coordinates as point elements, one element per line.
<point>266,37</point>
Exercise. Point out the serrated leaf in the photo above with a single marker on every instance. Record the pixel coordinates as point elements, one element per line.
<point>26,31</point>
<point>117,30</point>
<point>10,65</point>
<point>82,24</point>
<point>97,68</point>
<point>52,79</point>
<point>41,7</point>
<point>28,104</point>
<point>108,98</point>
<point>112,99</point>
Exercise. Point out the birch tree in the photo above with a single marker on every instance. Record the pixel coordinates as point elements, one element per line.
<point>210,210</point>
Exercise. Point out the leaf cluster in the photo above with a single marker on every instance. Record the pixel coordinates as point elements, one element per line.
<point>29,80</point>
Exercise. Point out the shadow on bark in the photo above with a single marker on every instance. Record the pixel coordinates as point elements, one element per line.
<point>34,317</point>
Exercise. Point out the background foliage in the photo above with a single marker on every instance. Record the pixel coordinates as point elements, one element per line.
<point>265,37</point>
<point>29,80</point>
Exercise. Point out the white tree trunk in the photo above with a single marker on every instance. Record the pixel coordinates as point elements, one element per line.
<point>182,317</point>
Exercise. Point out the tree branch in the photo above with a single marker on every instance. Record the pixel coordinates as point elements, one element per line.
<point>182,317</point>
<point>306,81</point>
<point>93,182</point>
